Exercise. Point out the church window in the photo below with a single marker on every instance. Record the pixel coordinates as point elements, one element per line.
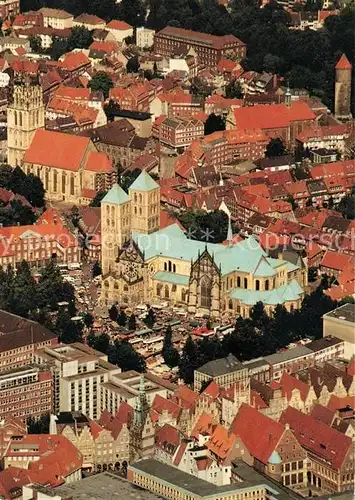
<point>15,115</point>
<point>63,182</point>
<point>238,281</point>
<point>166,292</point>
<point>291,308</point>
<point>116,285</point>
<point>266,284</point>
<point>173,289</point>
<point>46,179</point>
<point>205,293</point>
<point>135,197</point>
<point>140,198</point>
<point>183,295</point>
<point>169,266</point>
<point>159,289</point>
<point>20,119</point>
<point>135,210</point>
<point>174,268</point>
<point>245,282</point>
<point>165,266</point>
<point>140,210</point>
<point>55,181</point>
<point>230,305</point>
<point>257,285</point>
<point>72,185</point>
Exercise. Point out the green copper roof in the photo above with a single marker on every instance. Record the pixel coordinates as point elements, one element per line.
<point>116,196</point>
<point>144,182</point>
<point>291,291</point>
<point>263,269</point>
<point>275,458</point>
<point>175,279</point>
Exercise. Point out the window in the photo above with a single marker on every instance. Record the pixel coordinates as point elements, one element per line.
<point>246,283</point>
<point>205,292</point>
<point>238,282</point>
<point>257,285</point>
<point>266,284</point>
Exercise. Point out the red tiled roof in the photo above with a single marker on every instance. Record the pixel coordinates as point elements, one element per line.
<point>217,42</point>
<point>204,425</point>
<point>185,397</point>
<point>260,434</point>
<point>288,383</point>
<point>212,390</point>
<point>269,116</point>
<point>336,403</point>
<point>115,24</point>
<point>343,63</point>
<point>168,434</point>
<point>161,404</point>
<point>335,260</point>
<point>317,437</point>
<point>323,414</point>
<point>56,149</point>
<point>98,162</point>
<point>74,60</point>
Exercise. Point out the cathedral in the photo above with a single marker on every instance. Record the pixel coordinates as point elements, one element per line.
<point>142,263</point>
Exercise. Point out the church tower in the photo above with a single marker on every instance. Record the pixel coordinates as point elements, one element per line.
<point>25,114</point>
<point>115,225</point>
<point>343,71</point>
<point>142,428</point>
<point>145,199</point>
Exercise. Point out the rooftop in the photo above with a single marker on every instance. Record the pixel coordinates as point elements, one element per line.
<point>296,352</point>
<point>344,313</point>
<point>221,366</point>
<point>144,182</point>
<point>100,487</point>
<point>116,196</point>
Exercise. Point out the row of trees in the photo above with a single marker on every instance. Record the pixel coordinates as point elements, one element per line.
<point>259,335</point>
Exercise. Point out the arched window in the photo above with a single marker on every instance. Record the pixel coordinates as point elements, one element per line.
<point>63,182</point>
<point>266,284</point>
<point>135,210</point>
<point>159,289</point>
<point>184,294</point>
<point>245,283</point>
<point>15,116</point>
<point>238,281</point>
<point>166,291</point>
<point>140,210</point>
<point>257,285</point>
<point>174,268</point>
<point>205,292</point>
<point>165,266</point>
<point>55,181</point>
<point>230,305</point>
<point>140,198</point>
<point>20,118</point>
<point>291,307</point>
<point>72,185</point>
<point>46,178</point>
<point>135,196</point>
<point>169,268</point>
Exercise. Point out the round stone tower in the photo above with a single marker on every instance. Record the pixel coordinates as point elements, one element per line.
<point>343,70</point>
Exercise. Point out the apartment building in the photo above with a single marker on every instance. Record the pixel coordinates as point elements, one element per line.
<point>19,338</point>
<point>290,361</point>
<point>25,392</point>
<point>224,372</point>
<point>210,49</point>
<point>78,372</point>
<point>340,322</point>
<point>144,37</point>
<point>9,8</point>
<point>56,18</point>
<point>178,133</point>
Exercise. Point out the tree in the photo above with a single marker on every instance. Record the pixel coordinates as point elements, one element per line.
<point>99,342</point>
<point>234,90</point>
<point>133,12</point>
<point>113,313</point>
<point>133,65</point>
<point>127,358</point>
<point>189,361</point>
<point>275,147</point>
<point>170,353</point>
<point>96,202</point>
<point>80,38</point>
<point>347,206</point>
<point>132,322</point>
<point>35,44</point>
<point>30,186</point>
<point>312,274</point>
<point>58,48</point>
<point>52,289</point>
<point>38,425</point>
<point>122,318</point>
<point>101,82</point>
<point>211,227</point>
<point>214,123</point>
<point>22,299</point>
<point>96,269</point>
<point>149,320</point>
<point>16,214</point>
<point>88,319</point>
<point>290,199</point>
<point>68,331</point>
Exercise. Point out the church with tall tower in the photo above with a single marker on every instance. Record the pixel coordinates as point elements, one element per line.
<point>343,82</point>
<point>25,114</point>
<point>142,263</point>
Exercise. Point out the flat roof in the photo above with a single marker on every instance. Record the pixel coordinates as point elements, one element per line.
<point>295,352</point>
<point>100,487</point>
<point>191,484</point>
<point>221,366</point>
<point>344,313</point>
<point>323,343</point>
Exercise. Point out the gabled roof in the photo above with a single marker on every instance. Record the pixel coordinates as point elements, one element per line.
<point>260,434</point>
<point>116,196</point>
<point>144,182</point>
<point>317,437</point>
